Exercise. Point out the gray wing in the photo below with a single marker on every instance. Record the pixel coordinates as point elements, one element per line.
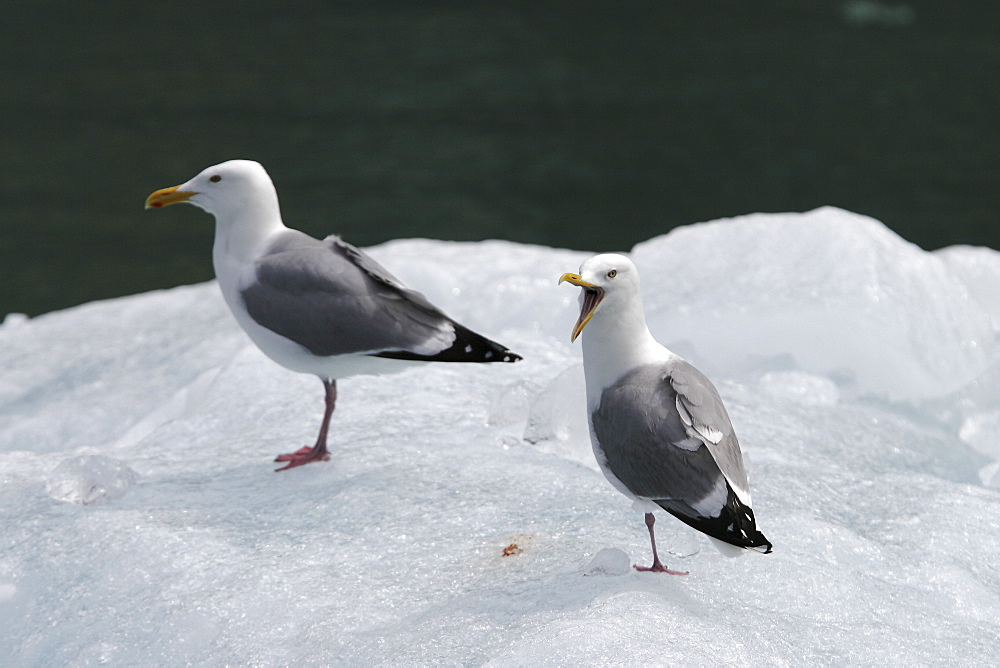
<point>378,273</point>
<point>333,299</point>
<point>646,444</point>
<point>704,416</point>
<point>659,428</point>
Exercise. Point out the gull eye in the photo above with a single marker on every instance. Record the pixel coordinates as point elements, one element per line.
<point>612,273</point>
<point>215,179</point>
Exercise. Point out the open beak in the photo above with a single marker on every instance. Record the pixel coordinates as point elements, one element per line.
<point>592,296</point>
<point>168,196</point>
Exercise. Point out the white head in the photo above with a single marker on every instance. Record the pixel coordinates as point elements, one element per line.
<point>230,191</point>
<point>610,293</point>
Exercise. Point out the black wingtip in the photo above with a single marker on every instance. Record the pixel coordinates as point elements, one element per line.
<point>735,524</point>
<point>467,347</point>
<point>756,542</point>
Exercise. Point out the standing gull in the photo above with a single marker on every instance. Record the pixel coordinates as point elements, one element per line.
<point>660,432</point>
<point>319,307</point>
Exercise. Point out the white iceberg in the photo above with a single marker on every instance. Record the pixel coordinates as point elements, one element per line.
<point>859,371</point>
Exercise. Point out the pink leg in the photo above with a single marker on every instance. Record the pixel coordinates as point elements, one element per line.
<point>318,452</point>
<point>657,567</point>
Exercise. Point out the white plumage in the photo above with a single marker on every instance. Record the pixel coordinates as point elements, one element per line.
<point>319,307</point>
<point>660,432</point>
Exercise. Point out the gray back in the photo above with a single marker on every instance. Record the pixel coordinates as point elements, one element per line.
<point>331,298</point>
<point>648,446</point>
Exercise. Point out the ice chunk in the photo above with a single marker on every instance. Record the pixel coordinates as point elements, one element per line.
<point>557,421</point>
<point>558,410</point>
<point>90,480</point>
<point>835,290</point>
<point>610,561</point>
<point>511,404</point>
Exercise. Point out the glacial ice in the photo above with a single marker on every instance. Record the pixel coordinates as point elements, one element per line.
<point>89,480</point>
<point>861,374</point>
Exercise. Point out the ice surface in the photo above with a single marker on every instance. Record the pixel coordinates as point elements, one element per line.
<point>861,374</point>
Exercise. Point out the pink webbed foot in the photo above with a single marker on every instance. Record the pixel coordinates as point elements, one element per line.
<point>302,456</point>
<point>318,452</point>
<point>658,568</point>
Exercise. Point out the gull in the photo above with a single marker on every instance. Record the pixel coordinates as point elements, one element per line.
<point>659,430</point>
<point>314,306</point>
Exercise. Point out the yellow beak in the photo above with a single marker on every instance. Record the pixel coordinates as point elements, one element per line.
<point>167,196</point>
<point>574,279</point>
<point>592,296</point>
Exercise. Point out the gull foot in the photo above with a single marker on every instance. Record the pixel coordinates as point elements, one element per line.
<point>301,457</point>
<point>658,568</point>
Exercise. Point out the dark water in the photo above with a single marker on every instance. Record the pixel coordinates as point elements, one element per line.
<point>590,126</point>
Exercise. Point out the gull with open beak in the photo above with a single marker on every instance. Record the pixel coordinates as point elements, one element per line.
<point>658,427</point>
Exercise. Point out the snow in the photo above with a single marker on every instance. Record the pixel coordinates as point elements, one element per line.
<point>462,518</point>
